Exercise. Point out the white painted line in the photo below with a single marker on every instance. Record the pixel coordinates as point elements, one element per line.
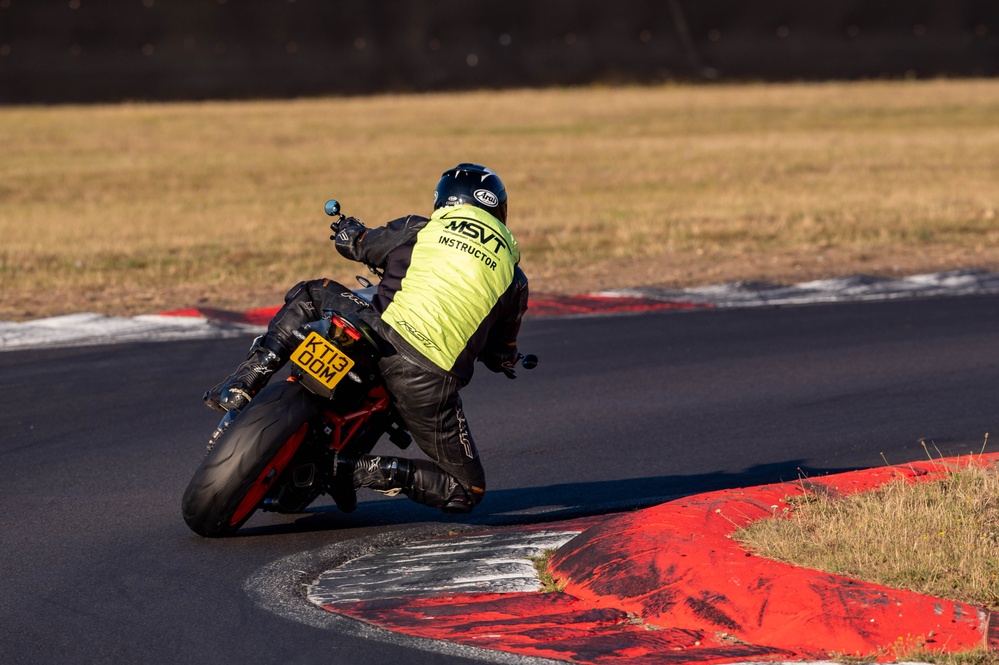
<point>89,329</point>
<point>841,289</point>
<point>498,563</point>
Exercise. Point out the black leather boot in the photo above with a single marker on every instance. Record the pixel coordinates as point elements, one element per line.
<point>236,391</point>
<point>420,480</point>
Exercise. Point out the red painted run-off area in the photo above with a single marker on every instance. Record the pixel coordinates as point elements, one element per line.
<point>669,585</point>
<point>540,305</point>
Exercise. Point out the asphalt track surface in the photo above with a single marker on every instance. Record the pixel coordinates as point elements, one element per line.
<point>97,445</point>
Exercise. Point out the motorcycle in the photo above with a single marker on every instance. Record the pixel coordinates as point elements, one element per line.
<point>278,453</point>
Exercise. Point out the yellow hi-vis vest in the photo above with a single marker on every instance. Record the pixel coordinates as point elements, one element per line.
<point>462,262</point>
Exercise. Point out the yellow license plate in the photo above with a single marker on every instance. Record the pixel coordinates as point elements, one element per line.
<point>321,360</point>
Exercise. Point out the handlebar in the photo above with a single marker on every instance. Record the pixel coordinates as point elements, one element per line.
<point>530,361</point>
<point>333,210</point>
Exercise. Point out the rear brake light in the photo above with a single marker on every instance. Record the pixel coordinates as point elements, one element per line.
<point>347,327</point>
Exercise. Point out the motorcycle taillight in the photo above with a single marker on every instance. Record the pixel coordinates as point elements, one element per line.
<point>346,327</point>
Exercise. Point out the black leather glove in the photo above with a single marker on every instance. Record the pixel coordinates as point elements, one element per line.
<point>505,362</point>
<point>346,222</point>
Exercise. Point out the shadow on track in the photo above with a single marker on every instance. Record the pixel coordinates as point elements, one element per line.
<point>536,505</point>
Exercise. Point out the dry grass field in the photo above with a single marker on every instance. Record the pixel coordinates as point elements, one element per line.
<point>938,538</point>
<point>136,208</point>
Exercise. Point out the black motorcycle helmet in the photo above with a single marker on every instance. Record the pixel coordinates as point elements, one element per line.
<point>473,184</point>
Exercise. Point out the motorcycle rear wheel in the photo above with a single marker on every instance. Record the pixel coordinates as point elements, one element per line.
<point>248,459</point>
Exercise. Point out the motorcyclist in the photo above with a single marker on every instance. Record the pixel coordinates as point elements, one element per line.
<point>451,293</point>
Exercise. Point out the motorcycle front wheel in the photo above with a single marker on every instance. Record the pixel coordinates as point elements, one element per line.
<point>247,459</point>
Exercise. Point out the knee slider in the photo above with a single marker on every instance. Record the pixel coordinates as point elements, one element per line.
<point>457,507</point>
<point>461,501</point>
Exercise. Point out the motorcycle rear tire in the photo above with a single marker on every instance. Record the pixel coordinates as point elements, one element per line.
<point>248,457</point>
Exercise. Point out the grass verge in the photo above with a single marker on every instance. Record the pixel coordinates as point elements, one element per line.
<point>938,538</point>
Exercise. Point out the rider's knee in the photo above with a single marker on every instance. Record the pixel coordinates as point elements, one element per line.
<point>312,290</point>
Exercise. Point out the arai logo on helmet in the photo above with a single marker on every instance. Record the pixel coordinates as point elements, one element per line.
<point>486,198</point>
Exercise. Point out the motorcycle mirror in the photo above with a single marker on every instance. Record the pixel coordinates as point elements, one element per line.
<point>530,361</point>
<point>332,207</point>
